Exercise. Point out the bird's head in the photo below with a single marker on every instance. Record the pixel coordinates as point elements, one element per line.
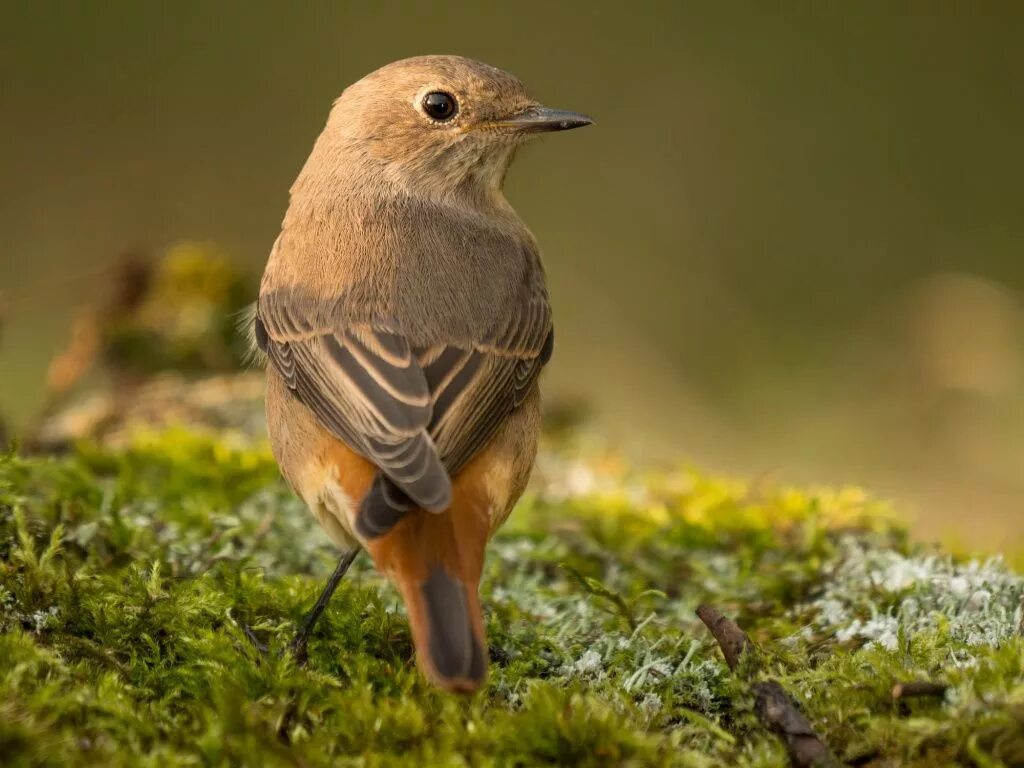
<point>437,125</point>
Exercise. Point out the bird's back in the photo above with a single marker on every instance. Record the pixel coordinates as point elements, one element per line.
<point>433,272</point>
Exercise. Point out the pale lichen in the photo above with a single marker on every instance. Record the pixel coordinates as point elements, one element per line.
<point>877,595</point>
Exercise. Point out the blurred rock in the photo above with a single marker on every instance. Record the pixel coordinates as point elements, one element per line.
<point>228,402</point>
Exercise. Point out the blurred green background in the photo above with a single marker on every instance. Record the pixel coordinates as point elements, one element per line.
<point>792,247</point>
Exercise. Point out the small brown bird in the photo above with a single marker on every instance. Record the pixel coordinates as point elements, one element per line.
<point>405,318</point>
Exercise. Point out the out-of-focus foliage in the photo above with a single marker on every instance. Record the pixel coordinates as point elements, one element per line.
<point>179,314</point>
<point>163,346</point>
<point>126,577</point>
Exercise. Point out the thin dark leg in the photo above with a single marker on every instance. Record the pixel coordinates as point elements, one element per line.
<point>298,646</point>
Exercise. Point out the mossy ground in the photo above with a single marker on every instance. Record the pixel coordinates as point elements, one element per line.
<point>126,577</point>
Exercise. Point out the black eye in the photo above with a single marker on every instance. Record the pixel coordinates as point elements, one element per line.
<point>440,105</point>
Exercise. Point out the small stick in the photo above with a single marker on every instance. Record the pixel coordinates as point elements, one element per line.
<point>918,688</point>
<point>731,639</point>
<point>776,710</point>
<point>773,706</point>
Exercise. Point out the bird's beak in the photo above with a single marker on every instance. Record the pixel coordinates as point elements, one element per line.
<point>542,120</point>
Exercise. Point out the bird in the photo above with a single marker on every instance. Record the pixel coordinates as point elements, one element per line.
<point>404,319</point>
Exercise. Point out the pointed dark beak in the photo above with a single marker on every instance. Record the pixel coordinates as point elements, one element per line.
<point>542,120</point>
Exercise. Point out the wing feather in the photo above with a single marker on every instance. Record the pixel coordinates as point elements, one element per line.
<point>420,415</point>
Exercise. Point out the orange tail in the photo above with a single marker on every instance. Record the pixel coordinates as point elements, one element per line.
<point>436,559</point>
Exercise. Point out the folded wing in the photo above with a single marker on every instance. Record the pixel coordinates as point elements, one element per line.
<point>418,414</point>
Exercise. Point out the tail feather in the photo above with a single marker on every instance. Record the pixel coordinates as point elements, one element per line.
<point>453,646</point>
<point>435,561</point>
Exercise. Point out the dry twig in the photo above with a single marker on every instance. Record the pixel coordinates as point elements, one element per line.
<point>773,706</point>
<point>731,639</point>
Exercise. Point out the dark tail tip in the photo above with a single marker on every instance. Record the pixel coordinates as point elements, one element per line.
<point>456,653</point>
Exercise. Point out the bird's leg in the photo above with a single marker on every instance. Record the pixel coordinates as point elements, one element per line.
<point>298,646</point>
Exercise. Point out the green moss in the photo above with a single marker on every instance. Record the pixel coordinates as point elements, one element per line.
<point>126,578</point>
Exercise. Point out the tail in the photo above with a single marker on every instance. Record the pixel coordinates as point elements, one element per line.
<point>435,561</point>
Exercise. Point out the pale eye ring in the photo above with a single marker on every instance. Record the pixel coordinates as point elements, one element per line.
<point>440,106</point>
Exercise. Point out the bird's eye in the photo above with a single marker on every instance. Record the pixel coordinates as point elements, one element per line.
<point>440,105</point>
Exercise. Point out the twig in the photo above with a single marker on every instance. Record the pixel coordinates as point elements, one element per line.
<point>731,639</point>
<point>776,710</point>
<point>918,688</point>
<point>772,705</point>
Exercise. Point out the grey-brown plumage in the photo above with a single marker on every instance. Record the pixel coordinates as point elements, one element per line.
<point>404,302</point>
